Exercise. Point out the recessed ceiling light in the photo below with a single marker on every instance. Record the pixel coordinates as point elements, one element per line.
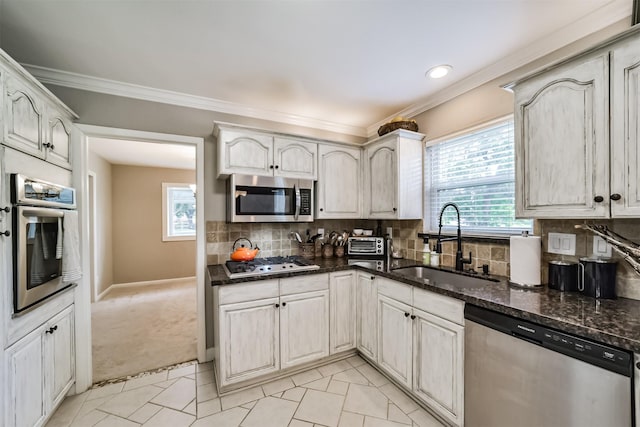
<point>438,71</point>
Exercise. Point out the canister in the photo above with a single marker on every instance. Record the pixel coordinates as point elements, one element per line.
<point>598,277</point>
<point>563,276</point>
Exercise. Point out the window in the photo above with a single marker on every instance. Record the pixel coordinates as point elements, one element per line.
<point>476,171</point>
<point>178,212</point>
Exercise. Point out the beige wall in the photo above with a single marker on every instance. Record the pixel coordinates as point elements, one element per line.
<point>139,254</point>
<point>103,224</point>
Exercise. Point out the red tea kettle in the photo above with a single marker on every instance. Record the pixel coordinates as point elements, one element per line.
<point>244,252</point>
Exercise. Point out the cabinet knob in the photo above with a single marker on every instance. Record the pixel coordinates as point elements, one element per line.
<point>598,199</point>
<point>321,209</point>
<point>413,316</point>
<point>6,233</point>
<point>406,315</point>
<point>53,147</point>
<point>277,305</point>
<point>395,209</point>
<point>6,209</point>
<point>277,166</point>
<point>615,196</point>
<point>373,277</point>
<point>51,330</point>
<point>270,166</point>
<point>284,304</point>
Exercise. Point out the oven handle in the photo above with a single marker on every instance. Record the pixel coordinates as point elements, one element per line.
<point>298,201</point>
<point>46,212</point>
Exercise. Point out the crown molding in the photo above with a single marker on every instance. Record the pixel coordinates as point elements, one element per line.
<point>145,93</point>
<point>609,14</point>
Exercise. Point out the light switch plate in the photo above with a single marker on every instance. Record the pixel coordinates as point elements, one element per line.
<point>561,243</point>
<point>601,248</point>
<point>390,232</point>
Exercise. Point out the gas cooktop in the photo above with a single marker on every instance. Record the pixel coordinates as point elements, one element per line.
<point>266,266</point>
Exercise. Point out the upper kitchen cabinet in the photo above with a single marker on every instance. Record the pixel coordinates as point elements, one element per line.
<point>251,152</point>
<point>625,128</point>
<point>338,190</point>
<point>576,135</point>
<point>561,142</point>
<point>35,122</point>
<point>393,176</point>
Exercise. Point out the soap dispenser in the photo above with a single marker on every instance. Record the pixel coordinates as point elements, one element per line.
<point>426,253</point>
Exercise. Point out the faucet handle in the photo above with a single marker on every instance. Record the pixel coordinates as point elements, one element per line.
<point>485,269</point>
<point>467,260</point>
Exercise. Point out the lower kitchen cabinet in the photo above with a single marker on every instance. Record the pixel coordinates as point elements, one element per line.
<point>367,315</point>
<point>394,339</point>
<point>249,340</point>
<point>40,371</point>
<point>304,327</point>
<point>342,313</point>
<point>438,347</point>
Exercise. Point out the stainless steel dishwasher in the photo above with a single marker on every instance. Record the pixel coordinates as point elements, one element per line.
<point>519,374</point>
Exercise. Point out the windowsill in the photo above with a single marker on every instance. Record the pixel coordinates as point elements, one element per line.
<point>479,238</point>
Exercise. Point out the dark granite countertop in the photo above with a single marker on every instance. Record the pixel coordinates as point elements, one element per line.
<point>614,322</point>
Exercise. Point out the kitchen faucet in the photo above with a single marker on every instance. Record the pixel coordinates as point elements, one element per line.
<point>460,261</point>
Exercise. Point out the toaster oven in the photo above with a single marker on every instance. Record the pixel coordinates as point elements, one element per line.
<point>366,246</point>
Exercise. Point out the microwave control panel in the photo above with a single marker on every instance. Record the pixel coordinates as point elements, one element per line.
<point>305,201</point>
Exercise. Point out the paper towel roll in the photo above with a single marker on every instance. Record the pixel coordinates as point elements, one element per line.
<point>526,252</point>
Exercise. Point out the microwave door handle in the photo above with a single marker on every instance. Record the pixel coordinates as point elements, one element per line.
<point>45,212</point>
<point>298,201</point>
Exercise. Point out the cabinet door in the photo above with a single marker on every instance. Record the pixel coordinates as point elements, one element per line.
<point>23,124</point>
<point>249,340</point>
<point>381,181</point>
<point>25,391</point>
<point>246,153</point>
<point>342,319</point>
<point>304,327</point>
<point>339,183</point>
<point>438,365</point>
<point>394,339</point>
<point>367,315</point>
<point>59,357</point>
<point>625,130</point>
<point>561,142</point>
<point>57,141</point>
<point>295,159</point>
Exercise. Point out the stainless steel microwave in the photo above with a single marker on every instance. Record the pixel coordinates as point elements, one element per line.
<point>269,199</point>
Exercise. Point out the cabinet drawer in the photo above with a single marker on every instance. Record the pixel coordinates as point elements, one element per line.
<point>439,305</point>
<point>296,285</point>
<point>248,292</point>
<point>396,290</point>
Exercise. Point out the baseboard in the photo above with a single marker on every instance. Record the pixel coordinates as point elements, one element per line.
<point>144,283</point>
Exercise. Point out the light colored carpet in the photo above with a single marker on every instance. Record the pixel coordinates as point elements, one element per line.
<point>145,327</point>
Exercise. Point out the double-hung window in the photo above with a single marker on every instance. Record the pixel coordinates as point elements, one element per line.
<point>476,171</point>
<point>178,212</point>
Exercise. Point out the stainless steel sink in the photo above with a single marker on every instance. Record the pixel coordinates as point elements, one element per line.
<point>444,278</point>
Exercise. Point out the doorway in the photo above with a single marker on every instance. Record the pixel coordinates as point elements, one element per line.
<point>129,291</point>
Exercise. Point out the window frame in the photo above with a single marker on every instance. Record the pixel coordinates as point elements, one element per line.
<point>166,237</point>
<point>427,214</point>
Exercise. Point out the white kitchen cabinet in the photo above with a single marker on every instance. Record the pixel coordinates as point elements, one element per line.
<point>393,176</point>
<point>342,311</point>
<point>625,129</point>
<point>33,124</point>
<point>249,340</point>
<point>304,324</point>
<point>251,152</point>
<point>561,119</point>
<point>367,315</point>
<point>40,371</point>
<point>438,377</point>
<point>395,339</point>
<point>295,159</point>
<point>339,186</point>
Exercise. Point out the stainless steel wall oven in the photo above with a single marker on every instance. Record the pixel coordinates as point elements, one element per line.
<point>38,211</point>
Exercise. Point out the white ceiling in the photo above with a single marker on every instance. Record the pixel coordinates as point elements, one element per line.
<point>343,65</point>
<point>149,154</point>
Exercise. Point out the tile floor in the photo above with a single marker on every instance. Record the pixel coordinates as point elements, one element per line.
<point>347,393</point>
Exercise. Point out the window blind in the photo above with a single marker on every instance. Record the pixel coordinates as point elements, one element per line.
<point>476,171</point>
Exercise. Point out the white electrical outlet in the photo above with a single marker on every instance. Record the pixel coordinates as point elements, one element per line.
<point>390,232</point>
<point>561,243</point>
<point>321,231</point>
<point>601,248</point>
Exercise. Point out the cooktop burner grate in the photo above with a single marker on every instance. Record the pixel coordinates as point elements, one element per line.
<point>269,265</point>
